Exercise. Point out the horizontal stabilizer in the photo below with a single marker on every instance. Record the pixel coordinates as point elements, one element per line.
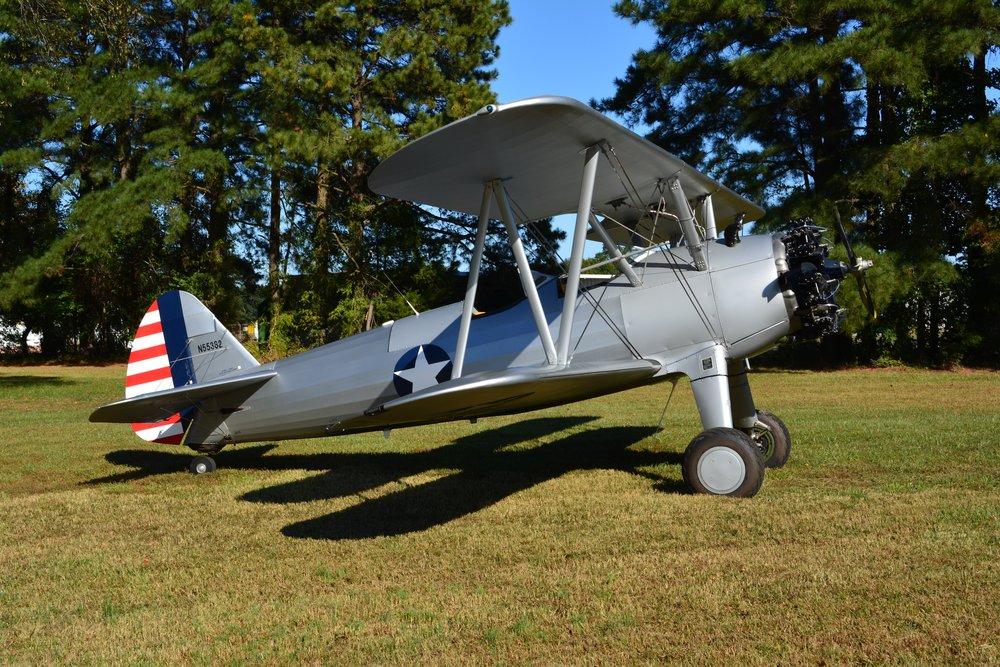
<point>505,392</point>
<point>161,404</point>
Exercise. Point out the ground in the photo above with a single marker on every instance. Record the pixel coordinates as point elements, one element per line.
<point>558,536</point>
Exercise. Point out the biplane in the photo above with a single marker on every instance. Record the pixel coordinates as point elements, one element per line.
<point>684,293</point>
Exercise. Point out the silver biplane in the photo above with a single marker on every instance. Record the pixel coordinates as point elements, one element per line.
<point>690,297</point>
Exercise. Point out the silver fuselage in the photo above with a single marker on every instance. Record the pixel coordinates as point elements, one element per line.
<point>672,315</point>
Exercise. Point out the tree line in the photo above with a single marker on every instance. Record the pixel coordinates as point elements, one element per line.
<point>223,147</point>
<point>885,108</point>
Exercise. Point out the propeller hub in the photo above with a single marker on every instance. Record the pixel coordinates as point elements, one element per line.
<point>861,265</point>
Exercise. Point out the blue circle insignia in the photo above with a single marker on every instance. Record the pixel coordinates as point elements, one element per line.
<point>421,367</point>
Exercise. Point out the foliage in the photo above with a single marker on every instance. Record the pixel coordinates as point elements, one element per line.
<point>223,148</point>
<point>883,103</point>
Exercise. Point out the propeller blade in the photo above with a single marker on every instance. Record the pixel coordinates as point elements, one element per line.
<point>857,268</point>
<point>866,295</point>
<point>851,257</point>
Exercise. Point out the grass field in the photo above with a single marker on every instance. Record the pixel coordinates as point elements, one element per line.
<point>558,536</point>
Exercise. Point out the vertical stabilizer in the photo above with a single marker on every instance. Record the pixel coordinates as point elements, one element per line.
<point>179,342</point>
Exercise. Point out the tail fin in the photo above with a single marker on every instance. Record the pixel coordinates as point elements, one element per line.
<point>179,342</point>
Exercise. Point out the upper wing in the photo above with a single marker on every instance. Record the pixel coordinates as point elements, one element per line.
<point>228,393</point>
<point>535,146</point>
<point>505,392</point>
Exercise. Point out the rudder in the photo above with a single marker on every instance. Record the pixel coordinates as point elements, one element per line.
<point>179,342</point>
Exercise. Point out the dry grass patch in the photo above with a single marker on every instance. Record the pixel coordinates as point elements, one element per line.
<point>559,536</point>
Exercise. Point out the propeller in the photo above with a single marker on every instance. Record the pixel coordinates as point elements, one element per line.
<point>856,265</point>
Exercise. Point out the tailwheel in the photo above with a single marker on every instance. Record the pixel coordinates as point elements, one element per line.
<point>723,462</point>
<point>201,465</point>
<point>772,437</point>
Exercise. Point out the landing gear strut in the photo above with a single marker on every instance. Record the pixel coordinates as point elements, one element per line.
<point>201,465</point>
<point>722,460</point>
<point>767,431</point>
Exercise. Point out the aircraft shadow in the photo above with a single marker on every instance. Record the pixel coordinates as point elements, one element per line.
<point>489,468</point>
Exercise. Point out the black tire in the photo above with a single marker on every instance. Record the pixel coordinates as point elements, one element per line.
<point>741,484</point>
<point>201,465</point>
<point>775,442</point>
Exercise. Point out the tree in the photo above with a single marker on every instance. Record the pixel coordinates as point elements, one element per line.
<point>358,80</point>
<point>799,104</point>
<point>86,69</point>
<point>216,146</point>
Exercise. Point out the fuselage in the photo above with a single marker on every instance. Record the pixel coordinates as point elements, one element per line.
<point>673,313</point>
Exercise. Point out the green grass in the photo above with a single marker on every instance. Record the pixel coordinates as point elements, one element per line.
<point>558,536</point>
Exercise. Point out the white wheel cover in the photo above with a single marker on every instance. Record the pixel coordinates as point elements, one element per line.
<point>721,470</point>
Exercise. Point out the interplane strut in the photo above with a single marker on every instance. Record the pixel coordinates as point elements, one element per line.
<point>468,305</point>
<point>557,351</point>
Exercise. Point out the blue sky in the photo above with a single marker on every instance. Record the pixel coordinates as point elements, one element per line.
<point>565,47</point>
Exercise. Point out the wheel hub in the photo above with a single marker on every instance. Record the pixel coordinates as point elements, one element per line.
<point>721,470</point>
<point>764,439</point>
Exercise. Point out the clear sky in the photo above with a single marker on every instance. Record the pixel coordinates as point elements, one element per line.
<point>565,47</point>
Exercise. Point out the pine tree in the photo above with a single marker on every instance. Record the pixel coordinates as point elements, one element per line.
<point>88,71</point>
<point>357,81</point>
<point>801,104</point>
<point>215,146</point>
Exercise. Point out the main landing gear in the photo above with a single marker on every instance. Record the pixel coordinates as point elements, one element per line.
<point>723,462</point>
<point>201,465</point>
<point>739,442</point>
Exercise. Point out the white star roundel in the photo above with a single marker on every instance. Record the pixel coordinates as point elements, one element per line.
<point>421,367</point>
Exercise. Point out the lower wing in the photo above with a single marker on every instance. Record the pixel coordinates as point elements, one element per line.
<point>504,392</point>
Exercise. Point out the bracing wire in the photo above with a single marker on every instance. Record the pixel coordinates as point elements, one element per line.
<point>624,177</point>
<point>663,414</point>
<point>596,306</point>
<point>343,247</point>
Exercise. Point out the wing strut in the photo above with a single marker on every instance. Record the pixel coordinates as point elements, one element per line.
<point>470,288</point>
<point>708,217</point>
<point>524,271</point>
<point>686,219</point>
<point>616,255</point>
<point>576,254</point>
<point>556,354</point>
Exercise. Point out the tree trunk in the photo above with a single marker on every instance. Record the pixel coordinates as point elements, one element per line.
<point>217,223</point>
<point>321,233</point>
<point>873,109</point>
<point>982,113</point>
<point>186,240</point>
<point>370,316</point>
<point>274,247</point>
<point>981,263</point>
<point>356,242</point>
<point>921,327</point>
<point>934,328</point>
<point>830,123</point>
<point>815,120</point>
